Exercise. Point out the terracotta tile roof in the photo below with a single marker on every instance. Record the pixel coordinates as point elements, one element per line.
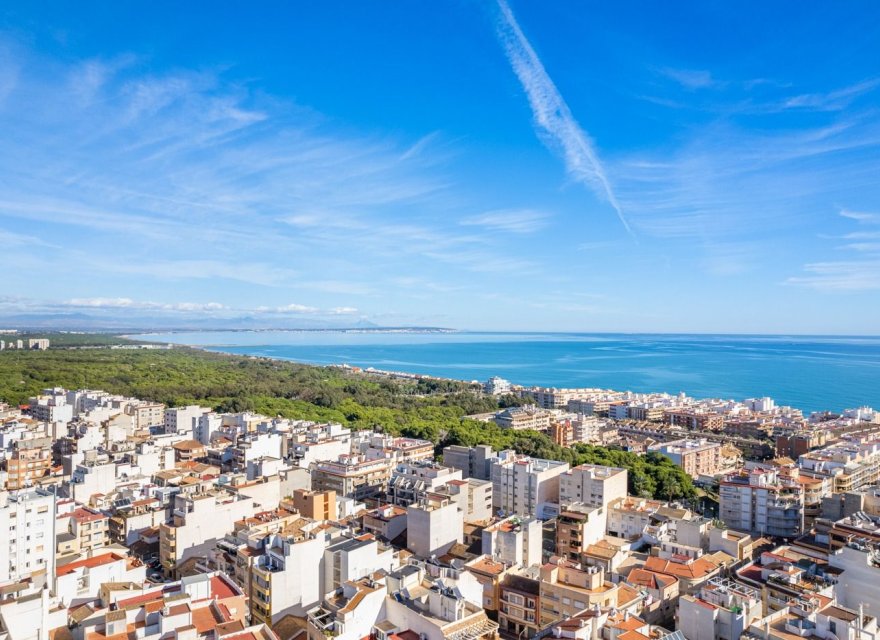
<point>88,563</point>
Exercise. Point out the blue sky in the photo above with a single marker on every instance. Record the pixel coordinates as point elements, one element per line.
<point>533,166</point>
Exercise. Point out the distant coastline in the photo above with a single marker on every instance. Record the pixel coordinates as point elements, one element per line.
<point>812,373</point>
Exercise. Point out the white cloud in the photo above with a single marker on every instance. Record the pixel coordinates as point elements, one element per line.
<point>551,113</point>
<point>297,308</point>
<point>833,100</point>
<point>513,221</point>
<point>343,311</point>
<point>129,303</point>
<point>861,216</point>
<point>690,78</point>
<point>840,276</point>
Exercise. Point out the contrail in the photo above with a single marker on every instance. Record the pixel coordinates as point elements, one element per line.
<point>552,114</point>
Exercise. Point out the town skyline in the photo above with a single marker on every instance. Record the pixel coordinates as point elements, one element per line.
<point>479,167</point>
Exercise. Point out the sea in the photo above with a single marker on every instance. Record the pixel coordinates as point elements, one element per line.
<point>812,373</point>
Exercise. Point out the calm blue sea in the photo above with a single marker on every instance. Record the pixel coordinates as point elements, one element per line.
<point>811,373</point>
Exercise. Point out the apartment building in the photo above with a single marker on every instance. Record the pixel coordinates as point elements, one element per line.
<point>566,589</point>
<point>319,442</point>
<point>317,505</point>
<point>433,525</point>
<point>762,501</point>
<point>27,523</point>
<point>577,527</point>
<point>183,420</point>
<point>351,558</point>
<point>694,419</point>
<point>198,521</point>
<point>473,462</point>
<point>287,578</point>
<point>526,486</point>
<point>81,579</point>
<point>386,522</point>
<point>146,415</point>
<point>514,540</point>
<point>519,418</point>
<point>51,408</point>
<point>722,610</point>
<point>696,457</point>
<point>850,465</point>
<point>628,517</point>
<point>410,481</point>
<point>473,497</point>
<point>395,449</point>
<point>89,529</point>
<point>592,485</point>
<point>352,476</point>
<point>29,462</point>
<point>255,446</point>
<point>552,398</point>
<point>519,613</point>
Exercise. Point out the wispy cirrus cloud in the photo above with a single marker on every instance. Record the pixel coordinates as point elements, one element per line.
<point>690,78</point>
<point>835,100</point>
<point>859,271</point>
<point>861,216</point>
<point>512,221</point>
<point>188,177</point>
<point>552,115</point>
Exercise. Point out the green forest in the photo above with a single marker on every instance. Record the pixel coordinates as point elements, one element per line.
<point>429,409</point>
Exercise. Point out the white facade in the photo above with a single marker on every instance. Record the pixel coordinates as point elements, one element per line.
<point>514,540</point>
<point>27,523</point>
<point>183,420</point>
<point>593,485</point>
<point>352,558</point>
<point>526,486</point>
<point>433,527</point>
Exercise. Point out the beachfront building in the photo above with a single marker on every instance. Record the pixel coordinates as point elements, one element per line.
<point>519,418</point>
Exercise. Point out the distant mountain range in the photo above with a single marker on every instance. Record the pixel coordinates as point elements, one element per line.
<point>123,323</point>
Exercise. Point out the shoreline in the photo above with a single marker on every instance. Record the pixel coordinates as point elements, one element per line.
<point>515,387</point>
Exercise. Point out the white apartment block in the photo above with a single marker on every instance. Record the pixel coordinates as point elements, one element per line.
<point>722,610</point>
<point>255,446</point>
<point>207,425</point>
<point>320,442</point>
<point>184,420</point>
<point>593,485</point>
<point>526,486</point>
<point>352,476</point>
<point>410,481</point>
<point>473,497</point>
<point>762,501</point>
<point>352,558</point>
<point>433,526</point>
<point>198,521</point>
<point>288,578</point>
<point>27,524</point>
<point>514,540</point>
